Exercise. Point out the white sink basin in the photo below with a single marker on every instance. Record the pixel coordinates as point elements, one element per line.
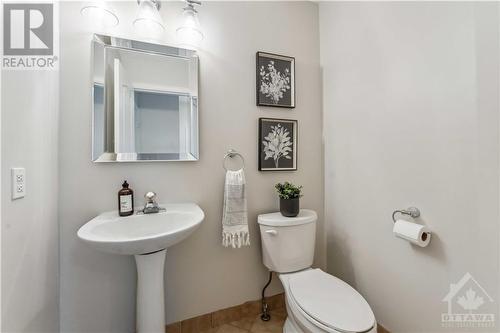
<point>147,237</point>
<point>141,233</point>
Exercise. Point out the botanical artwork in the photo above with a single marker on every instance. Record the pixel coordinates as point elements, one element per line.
<point>275,80</point>
<point>277,144</point>
<point>274,83</point>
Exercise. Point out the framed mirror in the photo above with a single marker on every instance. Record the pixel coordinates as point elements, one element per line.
<point>145,101</point>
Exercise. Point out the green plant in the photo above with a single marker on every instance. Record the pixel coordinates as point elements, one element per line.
<point>288,190</point>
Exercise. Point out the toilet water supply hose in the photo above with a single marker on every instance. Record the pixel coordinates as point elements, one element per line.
<point>265,316</point>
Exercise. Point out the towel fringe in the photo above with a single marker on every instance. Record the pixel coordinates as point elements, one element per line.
<point>236,239</point>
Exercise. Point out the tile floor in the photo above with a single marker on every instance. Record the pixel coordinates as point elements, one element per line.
<point>254,324</point>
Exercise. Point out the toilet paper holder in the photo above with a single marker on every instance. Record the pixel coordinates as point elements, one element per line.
<point>411,211</point>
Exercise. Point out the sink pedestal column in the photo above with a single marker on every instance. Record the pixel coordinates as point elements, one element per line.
<point>150,292</point>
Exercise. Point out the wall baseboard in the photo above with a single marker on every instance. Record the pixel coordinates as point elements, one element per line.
<point>381,329</point>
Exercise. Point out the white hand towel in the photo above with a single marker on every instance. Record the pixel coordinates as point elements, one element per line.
<point>234,215</point>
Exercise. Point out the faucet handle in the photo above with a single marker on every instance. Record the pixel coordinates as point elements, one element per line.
<point>150,197</point>
<point>151,206</point>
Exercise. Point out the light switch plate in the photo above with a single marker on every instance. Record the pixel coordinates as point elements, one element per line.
<point>18,182</point>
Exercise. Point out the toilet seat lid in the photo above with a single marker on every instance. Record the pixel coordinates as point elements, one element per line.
<point>331,301</point>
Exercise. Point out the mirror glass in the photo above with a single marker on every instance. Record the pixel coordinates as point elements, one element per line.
<point>145,101</point>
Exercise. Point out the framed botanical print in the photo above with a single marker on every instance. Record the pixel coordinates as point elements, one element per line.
<point>275,80</point>
<point>277,144</point>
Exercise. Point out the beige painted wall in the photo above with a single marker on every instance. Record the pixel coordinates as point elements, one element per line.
<point>411,97</point>
<point>30,251</point>
<point>98,290</point>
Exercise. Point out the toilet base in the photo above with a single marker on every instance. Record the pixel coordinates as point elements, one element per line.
<point>288,327</point>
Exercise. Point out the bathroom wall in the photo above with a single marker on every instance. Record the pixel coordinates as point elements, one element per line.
<point>98,290</point>
<point>411,118</point>
<point>30,251</point>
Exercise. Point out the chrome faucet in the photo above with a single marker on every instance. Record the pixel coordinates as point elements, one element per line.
<point>151,206</point>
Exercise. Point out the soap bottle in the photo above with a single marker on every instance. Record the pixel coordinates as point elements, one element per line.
<point>125,200</point>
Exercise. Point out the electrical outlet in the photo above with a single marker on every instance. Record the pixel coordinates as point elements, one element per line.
<point>18,183</point>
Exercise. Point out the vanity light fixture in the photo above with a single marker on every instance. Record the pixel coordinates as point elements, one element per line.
<point>189,32</point>
<point>100,14</point>
<point>148,19</point>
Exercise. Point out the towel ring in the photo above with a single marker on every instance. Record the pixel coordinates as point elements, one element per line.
<point>232,153</point>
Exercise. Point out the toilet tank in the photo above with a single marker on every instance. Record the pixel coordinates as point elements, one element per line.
<point>288,242</point>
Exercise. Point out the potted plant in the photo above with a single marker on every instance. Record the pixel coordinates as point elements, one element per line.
<point>289,198</point>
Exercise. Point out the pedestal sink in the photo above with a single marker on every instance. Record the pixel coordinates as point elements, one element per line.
<point>146,237</point>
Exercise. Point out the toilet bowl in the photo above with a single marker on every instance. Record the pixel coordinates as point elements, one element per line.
<point>316,302</point>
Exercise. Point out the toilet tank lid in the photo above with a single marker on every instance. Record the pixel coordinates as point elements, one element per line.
<point>278,220</point>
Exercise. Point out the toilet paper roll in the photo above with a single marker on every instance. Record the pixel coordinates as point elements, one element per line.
<point>415,233</point>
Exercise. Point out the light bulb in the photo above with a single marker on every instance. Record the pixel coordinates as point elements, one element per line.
<point>189,32</point>
<point>99,14</point>
<point>148,19</point>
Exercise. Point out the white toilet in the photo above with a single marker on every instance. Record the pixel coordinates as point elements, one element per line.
<point>316,301</point>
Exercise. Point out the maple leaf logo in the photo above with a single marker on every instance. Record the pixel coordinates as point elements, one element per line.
<point>470,301</point>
